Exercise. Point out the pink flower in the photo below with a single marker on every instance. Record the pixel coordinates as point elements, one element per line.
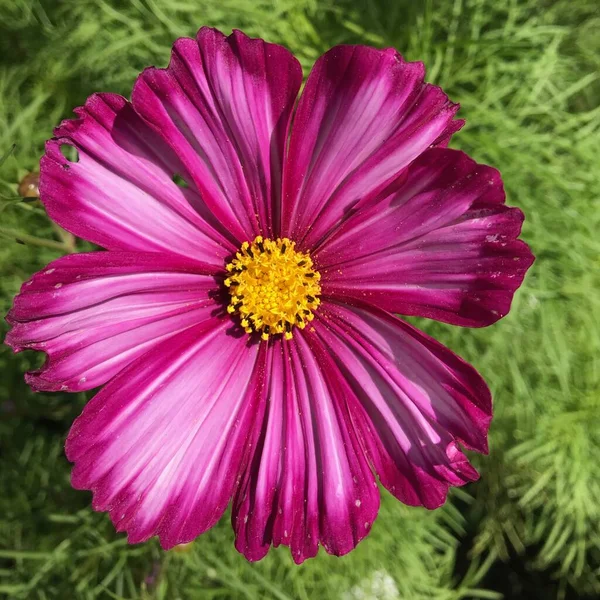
<point>242,325</point>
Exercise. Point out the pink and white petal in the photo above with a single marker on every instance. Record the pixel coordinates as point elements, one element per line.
<point>224,106</point>
<point>412,401</point>
<point>120,192</point>
<point>162,446</point>
<point>363,116</point>
<point>308,481</point>
<point>443,246</point>
<point>95,313</point>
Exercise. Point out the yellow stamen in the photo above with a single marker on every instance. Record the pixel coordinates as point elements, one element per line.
<point>273,287</point>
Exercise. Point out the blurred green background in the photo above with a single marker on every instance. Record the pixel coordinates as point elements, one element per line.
<point>526,73</point>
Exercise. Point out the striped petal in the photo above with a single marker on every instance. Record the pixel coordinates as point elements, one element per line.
<point>163,445</point>
<point>224,106</point>
<point>443,246</point>
<point>308,481</point>
<point>93,314</point>
<point>411,400</point>
<point>363,116</point>
<point>120,193</point>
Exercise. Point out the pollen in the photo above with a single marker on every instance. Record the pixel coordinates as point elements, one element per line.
<point>273,287</point>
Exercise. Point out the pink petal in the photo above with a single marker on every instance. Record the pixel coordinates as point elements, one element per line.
<point>163,445</point>
<point>364,115</point>
<point>411,400</point>
<point>95,313</point>
<point>121,194</point>
<point>224,106</point>
<point>308,481</point>
<point>444,246</point>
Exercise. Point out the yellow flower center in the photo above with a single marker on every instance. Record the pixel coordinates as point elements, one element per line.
<point>273,287</point>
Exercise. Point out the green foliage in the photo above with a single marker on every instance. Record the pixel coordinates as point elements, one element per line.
<point>527,73</point>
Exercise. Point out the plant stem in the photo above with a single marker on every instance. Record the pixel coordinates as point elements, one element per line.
<point>34,241</point>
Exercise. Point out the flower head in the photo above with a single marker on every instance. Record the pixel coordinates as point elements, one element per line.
<point>273,287</point>
<point>241,324</point>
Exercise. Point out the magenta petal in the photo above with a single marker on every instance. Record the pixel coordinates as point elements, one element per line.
<point>308,481</point>
<point>164,443</point>
<point>120,193</point>
<point>363,116</point>
<point>95,313</point>
<point>443,246</point>
<point>411,400</point>
<point>224,106</point>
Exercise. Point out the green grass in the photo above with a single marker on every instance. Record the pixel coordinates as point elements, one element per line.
<point>527,74</point>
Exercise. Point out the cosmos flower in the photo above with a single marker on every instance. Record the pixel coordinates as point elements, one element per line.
<point>241,315</point>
